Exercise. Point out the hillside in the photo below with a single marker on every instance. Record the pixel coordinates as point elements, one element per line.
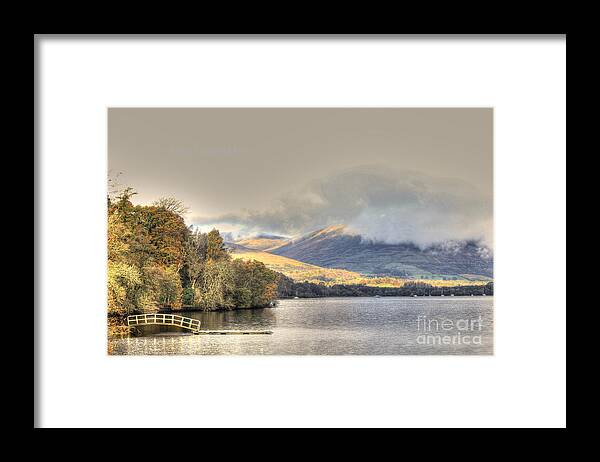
<point>295,269</point>
<point>335,247</point>
<point>301,271</point>
<point>263,242</point>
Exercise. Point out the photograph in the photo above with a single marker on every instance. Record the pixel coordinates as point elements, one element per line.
<point>300,231</point>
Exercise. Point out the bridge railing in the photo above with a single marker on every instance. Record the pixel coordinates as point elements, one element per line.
<point>163,320</point>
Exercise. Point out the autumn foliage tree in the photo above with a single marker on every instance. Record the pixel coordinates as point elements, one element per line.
<point>253,284</point>
<point>155,260</point>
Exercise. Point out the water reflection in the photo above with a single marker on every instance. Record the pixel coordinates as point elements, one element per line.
<point>332,326</point>
<point>261,318</point>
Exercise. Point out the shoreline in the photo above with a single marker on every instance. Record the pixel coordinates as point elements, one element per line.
<point>195,310</point>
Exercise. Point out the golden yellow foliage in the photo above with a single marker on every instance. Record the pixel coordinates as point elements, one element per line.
<point>262,243</point>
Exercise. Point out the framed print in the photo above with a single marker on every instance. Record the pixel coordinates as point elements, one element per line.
<point>296,232</point>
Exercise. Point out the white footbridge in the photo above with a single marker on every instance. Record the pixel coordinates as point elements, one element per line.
<point>163,319</point>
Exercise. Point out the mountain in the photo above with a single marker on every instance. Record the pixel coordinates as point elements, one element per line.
<point>297,270</point>
<point>335,247</point>
<point>301,271</point>
<point>263,242</point>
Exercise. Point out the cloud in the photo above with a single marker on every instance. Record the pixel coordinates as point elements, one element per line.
<point>379,204</point>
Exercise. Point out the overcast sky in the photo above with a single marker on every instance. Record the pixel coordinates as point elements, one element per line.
<point>294,170</point>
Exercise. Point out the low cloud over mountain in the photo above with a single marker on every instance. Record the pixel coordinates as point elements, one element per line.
<point>378,204</point>
<point>334,247</point>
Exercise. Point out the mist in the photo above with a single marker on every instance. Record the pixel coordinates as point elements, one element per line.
<point>378,203</point>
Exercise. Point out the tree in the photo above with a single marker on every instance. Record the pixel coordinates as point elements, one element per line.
<point>124,282</point>
<point>195,251</point>
<point>158,236</point>
<point>254,284</point>
<point>118,237</point>
<point>165,285</point>
<point>172,205</point>
<point>217,285</point>
<point>215,247</point>
<point>194,258</point>
<point>122,201</point>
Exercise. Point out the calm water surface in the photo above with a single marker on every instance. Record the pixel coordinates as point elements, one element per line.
<point>335,326</point>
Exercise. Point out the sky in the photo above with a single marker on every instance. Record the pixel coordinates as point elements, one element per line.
<point>391,174</point>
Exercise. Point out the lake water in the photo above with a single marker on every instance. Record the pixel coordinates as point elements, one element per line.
<point>334,326</point>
